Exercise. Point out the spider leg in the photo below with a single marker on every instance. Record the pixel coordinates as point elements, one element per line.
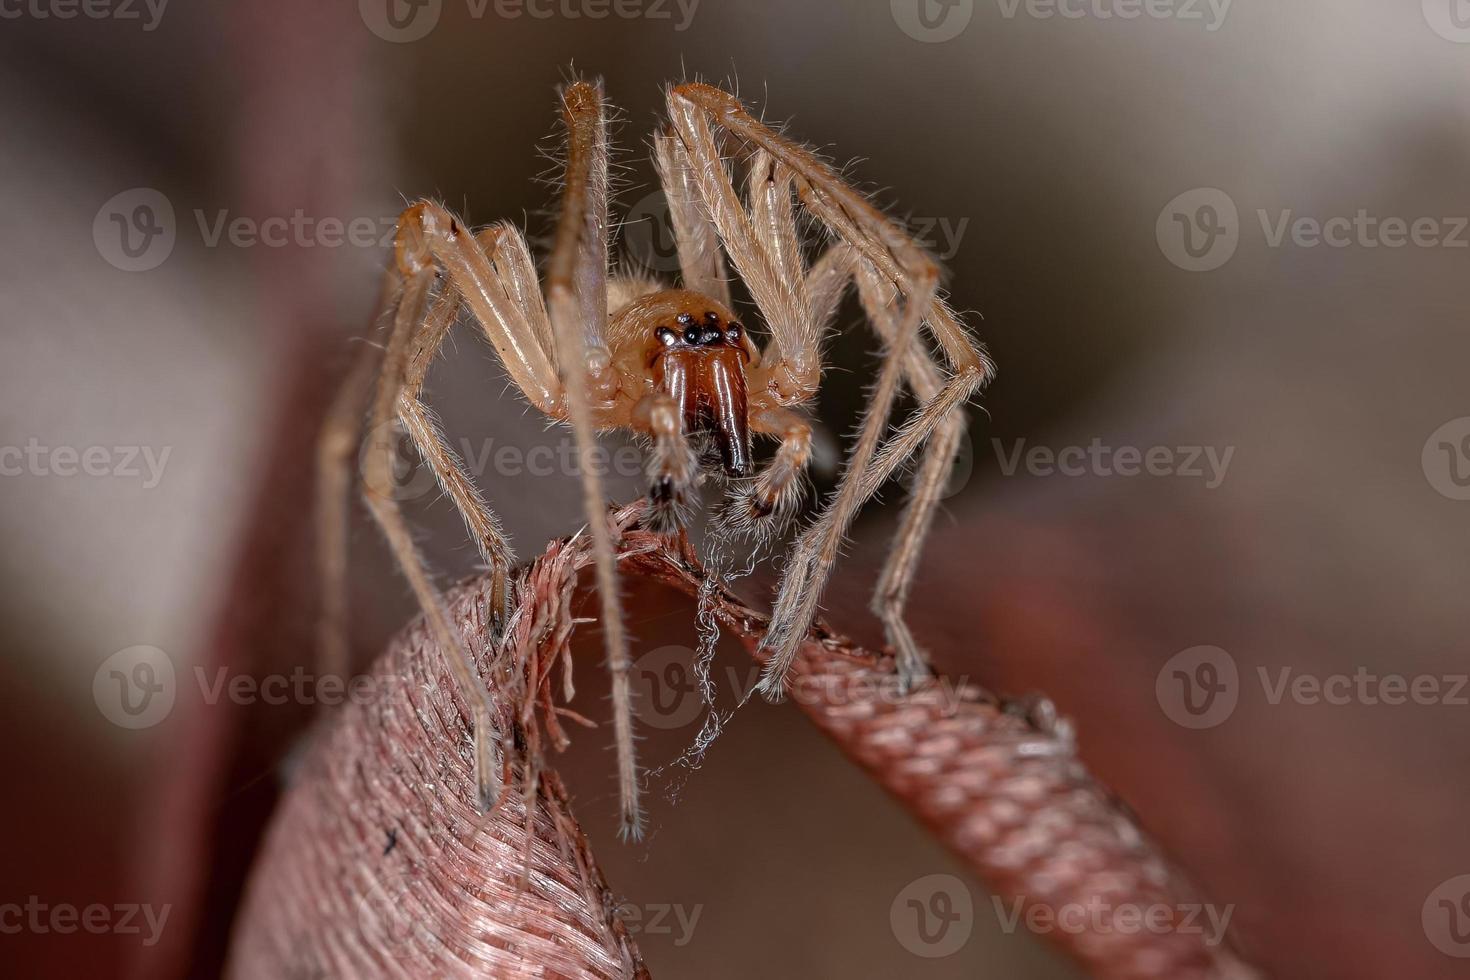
<point>412,303</point>
<point>760,508</point>
<point>480,521</point>
<point>762,244</point>
<point>576,294</point>
<point>891,593</point>
<point>701,266</point>
<point>818,547</point>
<point>428,234</point>
<point>766,250</point>
<point>826,282</point>
<point>515,269</point>
<point>494,276</point>
<point>870,465</point>
<point>337,443</point>
<point>557,379</point>
<point>673,467</point>
<point>757,252</point>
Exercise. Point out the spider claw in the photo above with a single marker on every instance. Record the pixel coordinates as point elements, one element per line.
<point>774,677</point>
<point>487,765</point>
<point>668,505</point>
<point>630,825</point>
<point>754,513</point>
<point>772,687</point>
<point>499,604</point>
<point>912,677</point>
<point>498,626</point>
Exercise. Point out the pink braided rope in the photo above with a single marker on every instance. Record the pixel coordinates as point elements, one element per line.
<point>460,895</point>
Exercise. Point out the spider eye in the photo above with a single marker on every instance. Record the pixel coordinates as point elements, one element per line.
<point>732,333</point>
<point>666,336</point>
<point>685,319</point>
<point>691,335</point>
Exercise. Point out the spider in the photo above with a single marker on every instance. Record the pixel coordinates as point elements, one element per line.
<point>675,365</point>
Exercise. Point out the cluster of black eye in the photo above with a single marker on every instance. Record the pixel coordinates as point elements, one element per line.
<point>696,333</point>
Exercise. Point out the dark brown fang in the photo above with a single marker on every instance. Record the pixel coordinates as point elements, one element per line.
<point>709,386</point>
<point>732,430</point>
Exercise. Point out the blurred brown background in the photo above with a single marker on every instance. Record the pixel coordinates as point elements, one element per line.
<point>1085,179</point>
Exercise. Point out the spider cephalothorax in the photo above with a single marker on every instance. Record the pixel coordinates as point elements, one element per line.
<point>674,366</point>
<point>693,350</point>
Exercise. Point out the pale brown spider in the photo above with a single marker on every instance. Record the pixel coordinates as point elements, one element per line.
<point>673,365</point>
